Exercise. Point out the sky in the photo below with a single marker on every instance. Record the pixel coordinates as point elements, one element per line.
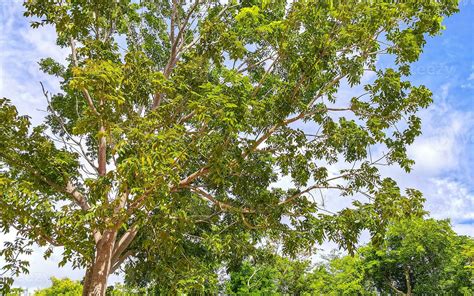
<point>444,153</point>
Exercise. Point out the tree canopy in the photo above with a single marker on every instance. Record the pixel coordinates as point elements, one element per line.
<point>438,262</point>
<point>417,257</point>
<point>61,287</point>
<point>421,257</point>
<point>178,120</point>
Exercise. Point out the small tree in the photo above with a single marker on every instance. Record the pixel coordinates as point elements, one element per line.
<point>61,287</point>
<point>175,114</point>
<point>416,257</point>
<point>270,275</point>
<point>340,276</point>
<point>420,257</point>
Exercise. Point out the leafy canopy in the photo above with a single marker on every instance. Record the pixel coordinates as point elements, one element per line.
<point>423,256</point>
<point>61,287</point>
<point>433,255</point>
<point>176,120</point>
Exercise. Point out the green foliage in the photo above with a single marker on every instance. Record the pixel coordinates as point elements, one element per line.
<point>61,287</point>
<point>427,252</point>
<point>175,121</point>
<point>15,292</point>
<point>14,265</point>
<point>123,290</point>
<point>271,276</point>
<point>438,263</point>
<point>284,276</point>
<point>253,280</point>
<point>340,276</point>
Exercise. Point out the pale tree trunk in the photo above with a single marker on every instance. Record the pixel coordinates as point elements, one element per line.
<point>95,280</point>
<point>408,282</point>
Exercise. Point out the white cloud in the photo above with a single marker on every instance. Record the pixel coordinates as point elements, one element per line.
<point>442,155</point>
<point>451,199</point>
<point>445,138</point>
<point>440,149</point>
<point>21,48</point>
<point>469,84</point>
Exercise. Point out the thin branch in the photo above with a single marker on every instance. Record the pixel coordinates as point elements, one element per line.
<point>45,237</point>
<point>124,242</point>
<point>303,114</point>
<point>220,204</point>
<point>247,224</point>
<point>189,179</point>
<point>157,97</point>
<point>63,127</point>
<point>392,286</point>
<point>116,264</point>
<point>70,189</point>
<point>307,190</point>
<point>84,91</point>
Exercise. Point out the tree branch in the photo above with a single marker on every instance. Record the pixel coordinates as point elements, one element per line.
<point>174,46</point>
<point>220,204</point>
<point>189,179</point>
<point>85,93</point>
<point>63,127</point>
<point>70,189</point>
<point>124,242</point>
<point>392,286</point>
<point>102,152</point>
<point>120,260</point>
<point>296,195</point>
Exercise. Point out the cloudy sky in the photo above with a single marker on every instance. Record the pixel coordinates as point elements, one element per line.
<point>444,154</point>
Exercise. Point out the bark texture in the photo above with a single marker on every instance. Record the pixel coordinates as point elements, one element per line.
<point>95,280</point>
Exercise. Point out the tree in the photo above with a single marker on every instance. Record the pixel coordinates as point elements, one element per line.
<point>437,261</point>
<point>178,117</point>
<point>253,280</point>
<point>285,276</point>
<point>420,257</point>
<point>336,275</point>
<point>15,292</point>
<point>273,275</point>
<point>123,290</point>
<point>61,287</point>
<point>340,275</point>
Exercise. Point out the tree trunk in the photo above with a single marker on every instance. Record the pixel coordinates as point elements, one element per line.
<point>408,281</point>
<point>87,281</point>
<point>95,280</point>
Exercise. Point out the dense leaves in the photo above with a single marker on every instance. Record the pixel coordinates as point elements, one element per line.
<point>177,119</point>
<point>63,287</point>
<point>421,256</point>
<point>427,250</point>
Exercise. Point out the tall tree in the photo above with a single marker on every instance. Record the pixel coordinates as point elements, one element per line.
<point>179,117</point>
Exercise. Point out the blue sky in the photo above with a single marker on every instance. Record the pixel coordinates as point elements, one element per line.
<point>444,154</point>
